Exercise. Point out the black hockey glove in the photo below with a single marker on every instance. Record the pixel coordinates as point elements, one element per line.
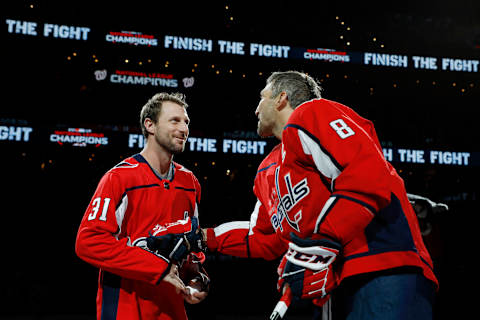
<point>176,240</point>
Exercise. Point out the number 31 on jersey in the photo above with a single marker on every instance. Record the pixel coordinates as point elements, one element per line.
<point>341,128</point>
<point>96,204</point>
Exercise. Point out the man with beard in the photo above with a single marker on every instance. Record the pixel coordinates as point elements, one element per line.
<point>333,208</point>
<point>142,222</point>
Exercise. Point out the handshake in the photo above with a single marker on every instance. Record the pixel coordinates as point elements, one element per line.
<point>181,243</point>
<point>176,240</point>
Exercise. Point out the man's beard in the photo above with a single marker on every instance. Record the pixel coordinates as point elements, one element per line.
<point>263,131</point>
<point>175,149</point>
<point>168,145</point>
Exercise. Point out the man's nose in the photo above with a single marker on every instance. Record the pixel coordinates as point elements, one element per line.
<point>184,128</point>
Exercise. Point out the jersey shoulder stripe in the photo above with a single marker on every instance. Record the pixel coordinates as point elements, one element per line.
<point>317,141</point>
<point>126,164</point>
<point>266,168</point>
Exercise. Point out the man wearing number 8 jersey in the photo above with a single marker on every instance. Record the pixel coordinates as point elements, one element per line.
<point>328,195</point>
<point>145,195</point>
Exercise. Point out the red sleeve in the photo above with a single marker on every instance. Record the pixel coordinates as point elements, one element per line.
<point>248,239</point>
<point>198,187</point>
<point>97,241</point>
<point>322,136</point>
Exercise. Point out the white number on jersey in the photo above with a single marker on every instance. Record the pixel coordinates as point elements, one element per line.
<point>96,206</point>
<point>341,128</point>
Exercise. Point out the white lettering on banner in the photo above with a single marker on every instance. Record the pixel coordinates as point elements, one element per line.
<point>79,137</point>
<point>388,154</point>
<point>413,156</point>
<point>268,50</point>
<point>460,65</point>
<point>65,32</point>
<point>202,144</point>
<point>210,145</point>
<point>159,82</point>
<point>186,43</point>
<point>425,156</point>
<point>387,60</point>
<point>447,157</point>
<point>243,146</point>
<point>239,48</point>
<point>78,140</point>
<point>131,37</point>
<point>326,57</point>
<point>15,133</point>
<point>136,140</point>
<point>429,63</point>
<point>231,47</point>
<point>22,27</point>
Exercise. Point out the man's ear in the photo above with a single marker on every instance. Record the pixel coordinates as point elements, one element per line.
<point>282,101</point>
<point>149,125</point>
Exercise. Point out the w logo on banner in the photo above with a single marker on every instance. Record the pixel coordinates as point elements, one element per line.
<point>100,75</point>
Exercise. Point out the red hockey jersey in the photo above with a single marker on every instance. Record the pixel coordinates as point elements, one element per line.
<point>329,177</point>
<point>130,202</point>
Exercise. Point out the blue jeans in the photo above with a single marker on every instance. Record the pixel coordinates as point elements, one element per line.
<point>392,295</point>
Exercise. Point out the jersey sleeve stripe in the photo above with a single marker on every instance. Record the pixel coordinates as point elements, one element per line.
<point>195,213</point>
<point>120,213</point>
<point>329,204</point>
<point>122,205</point>
<point>366,205</point>
<point>322,160</point>
<point>254,217</point>
<point>229,226</point>
<point>316,146</point>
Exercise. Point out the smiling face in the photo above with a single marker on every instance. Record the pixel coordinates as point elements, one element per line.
<point>265,113</point>
<point>171,129</point>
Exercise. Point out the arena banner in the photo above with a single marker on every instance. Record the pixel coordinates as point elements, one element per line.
<point>32,137</point>
<point>207,45</point>
<point>420,156</point>
<point>80,137</point>
<point>213,145</point>
<point>141,78</point>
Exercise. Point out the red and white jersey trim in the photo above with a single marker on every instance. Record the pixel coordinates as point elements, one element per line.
<point>230,226</point>
<point>322,161</point>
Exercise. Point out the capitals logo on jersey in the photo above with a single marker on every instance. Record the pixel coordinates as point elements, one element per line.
<point>286,202</point>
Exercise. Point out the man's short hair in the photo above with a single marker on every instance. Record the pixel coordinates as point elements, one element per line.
<point>299,86</point>
<point>153,107</point>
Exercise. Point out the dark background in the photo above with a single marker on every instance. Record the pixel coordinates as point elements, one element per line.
<point>46,187</point>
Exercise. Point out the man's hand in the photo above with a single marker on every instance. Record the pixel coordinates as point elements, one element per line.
<point>307,267</point>
<point>196,278</point>
<point>173,278</point>
<point>176,240</point>
<point>195,295</point>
